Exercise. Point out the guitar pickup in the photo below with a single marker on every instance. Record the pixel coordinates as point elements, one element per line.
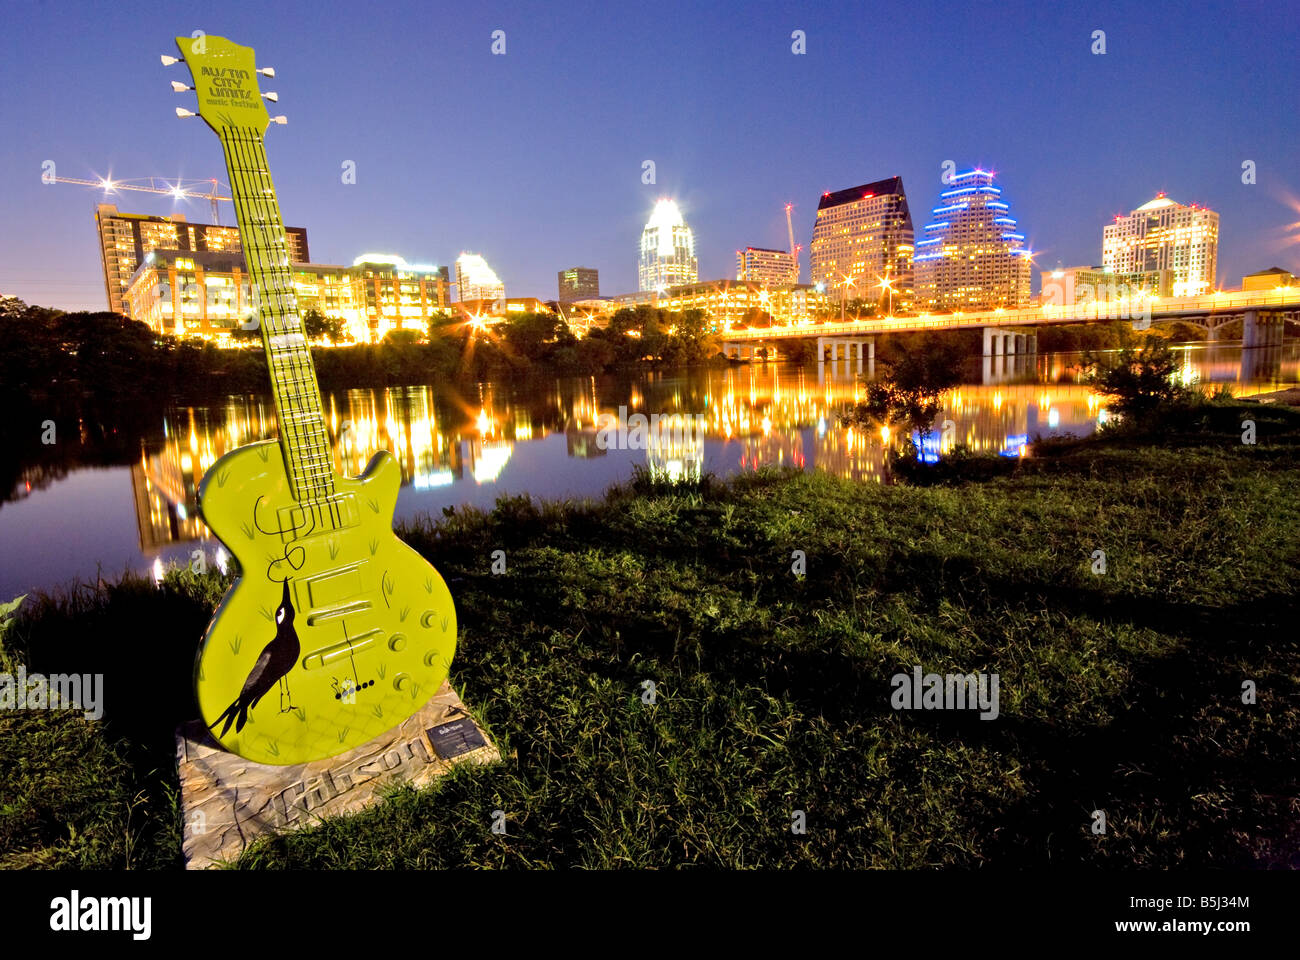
<point>324,656</point>
<point>332,593</point>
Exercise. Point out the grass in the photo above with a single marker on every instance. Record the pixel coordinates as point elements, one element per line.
<point>1120,692</point>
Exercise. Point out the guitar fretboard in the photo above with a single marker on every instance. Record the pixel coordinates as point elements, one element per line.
<point>303,438</point>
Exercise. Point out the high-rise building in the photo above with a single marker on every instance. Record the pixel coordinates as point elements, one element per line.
<point>579,283</point>
<point>475,280</point>
<point>864,234</point>
<point>972,256</point>
<point>126,238</point>
<point>766,266</point>
<point>667,250</point>
<point>1164,235</point>
<point>208,294</point>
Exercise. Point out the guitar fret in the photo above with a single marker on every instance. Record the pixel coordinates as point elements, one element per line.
<point>303,437</point>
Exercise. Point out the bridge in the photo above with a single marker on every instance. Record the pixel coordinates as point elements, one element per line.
<point>1264,313</point>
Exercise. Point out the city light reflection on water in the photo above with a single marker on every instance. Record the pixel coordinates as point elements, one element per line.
<point>541,438</point>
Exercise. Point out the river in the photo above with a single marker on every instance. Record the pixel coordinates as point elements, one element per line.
<point>69,521</point>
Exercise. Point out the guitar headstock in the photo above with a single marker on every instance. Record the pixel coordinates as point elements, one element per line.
<point>225,82</point>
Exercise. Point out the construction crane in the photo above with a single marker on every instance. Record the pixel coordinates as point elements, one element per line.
<point>181,189</point>
<point>794,250</point>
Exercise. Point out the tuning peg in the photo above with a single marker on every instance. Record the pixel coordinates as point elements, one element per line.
<point>280,119</point>
<point>168,61</point>
<point>272,96</point>
<point>183,113</point>
<point>179,87</point>
<point>267,71</point>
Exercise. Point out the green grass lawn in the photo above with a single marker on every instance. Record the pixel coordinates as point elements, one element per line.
<point>1120,692</point>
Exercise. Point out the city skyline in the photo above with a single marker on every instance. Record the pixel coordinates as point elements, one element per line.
<point>1070,166</point>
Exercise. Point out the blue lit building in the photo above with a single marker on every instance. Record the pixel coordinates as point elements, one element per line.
<point>973,255</point>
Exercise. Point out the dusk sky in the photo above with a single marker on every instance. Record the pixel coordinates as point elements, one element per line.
<point>534,158</point>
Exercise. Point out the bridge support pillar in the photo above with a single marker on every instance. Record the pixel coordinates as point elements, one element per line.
<point>853,348</point>
<point>1261,328</point>
<point>1005,350</point>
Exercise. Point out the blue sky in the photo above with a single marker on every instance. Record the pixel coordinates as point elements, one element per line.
<point>534,158</point>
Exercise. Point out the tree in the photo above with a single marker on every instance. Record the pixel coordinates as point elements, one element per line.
<point>1138,380</point>
<point>912,386</point>
<point>317,325</point>
<point>535,335</point>
<point>401,338</point>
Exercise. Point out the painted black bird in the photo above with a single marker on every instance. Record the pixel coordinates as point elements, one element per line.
<point>277,659</point>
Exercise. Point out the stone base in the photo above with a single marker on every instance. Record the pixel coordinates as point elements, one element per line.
<point>228,802</point>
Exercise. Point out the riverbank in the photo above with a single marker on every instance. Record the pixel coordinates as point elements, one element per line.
<point>1120,691</point>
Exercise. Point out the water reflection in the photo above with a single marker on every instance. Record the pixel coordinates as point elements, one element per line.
<point>544,439</point>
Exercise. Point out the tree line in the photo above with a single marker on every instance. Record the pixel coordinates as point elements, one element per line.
<point>105,357</point>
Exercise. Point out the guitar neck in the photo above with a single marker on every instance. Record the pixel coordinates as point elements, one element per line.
<point>303,439</point>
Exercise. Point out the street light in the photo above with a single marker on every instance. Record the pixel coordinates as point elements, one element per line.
<point>887,284</point>
<point>848,282</point>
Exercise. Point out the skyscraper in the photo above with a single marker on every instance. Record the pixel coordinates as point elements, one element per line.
<point>475,280</point>
<point>579,283</point>
<point>972,257</point>
<point>667,249</point>
<point>865,234</point>
<point>125,239</point>
<point>766,266</point>
<point>1164,235</point>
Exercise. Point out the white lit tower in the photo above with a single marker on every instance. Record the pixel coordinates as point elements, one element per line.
<point>667,250</point>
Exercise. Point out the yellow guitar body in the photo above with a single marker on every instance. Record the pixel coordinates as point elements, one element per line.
<point>334,631</point>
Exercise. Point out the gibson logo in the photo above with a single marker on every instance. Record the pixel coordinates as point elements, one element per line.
<point>305,796</point>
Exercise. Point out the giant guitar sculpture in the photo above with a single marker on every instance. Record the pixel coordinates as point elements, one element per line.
<point>335,630</point>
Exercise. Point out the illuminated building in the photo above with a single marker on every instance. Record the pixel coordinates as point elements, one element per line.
<point>500,307</point>
<point>475,280</point>
<point>207,294</point>
<point>667,250</point>
<point>865,234</point>
<point>731,301</point>
<point>766,266</point>
<point>1269,279</point>
<point>1065,286</point>
<point>579,283</point>
<point>388,294</point>
<point>972,256</point>
<point>1164,235</point>
<point>125,239</point>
